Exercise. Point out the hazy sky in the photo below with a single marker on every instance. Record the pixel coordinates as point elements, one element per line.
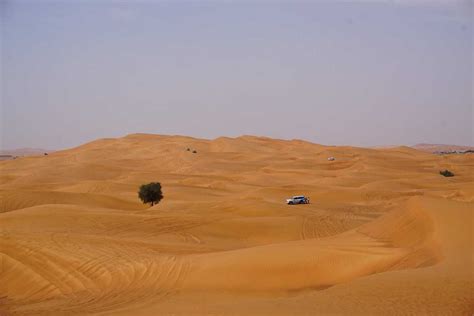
<point>332,72</point>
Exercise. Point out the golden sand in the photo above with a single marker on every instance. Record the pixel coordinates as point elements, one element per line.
<point>384,234</point>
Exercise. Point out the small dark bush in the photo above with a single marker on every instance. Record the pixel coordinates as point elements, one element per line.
<point>194,152</point>
<point>446,173</point>
<point>189,149</point>
<point>45,154</point>
<point>150,193</point>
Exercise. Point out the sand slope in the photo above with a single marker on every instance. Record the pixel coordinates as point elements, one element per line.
<point>385,232</point>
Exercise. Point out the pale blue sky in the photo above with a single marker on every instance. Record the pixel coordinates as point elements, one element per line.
<point>334,72</point>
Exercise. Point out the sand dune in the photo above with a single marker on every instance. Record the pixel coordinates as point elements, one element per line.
<point>385,233</point>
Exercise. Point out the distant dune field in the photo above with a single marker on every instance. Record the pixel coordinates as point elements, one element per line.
<point>385,232</point>
<point>25,152</point>
<point>441,148</point>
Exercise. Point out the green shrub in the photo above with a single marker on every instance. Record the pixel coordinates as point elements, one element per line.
<point>150,193</point>
<point>446,173</point>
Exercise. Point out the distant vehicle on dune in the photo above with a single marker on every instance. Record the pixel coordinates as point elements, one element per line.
<point>298,199</point>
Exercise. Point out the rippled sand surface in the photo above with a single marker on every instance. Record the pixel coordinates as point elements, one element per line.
<point>384,234</point>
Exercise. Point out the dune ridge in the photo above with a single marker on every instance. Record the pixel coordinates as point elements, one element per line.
<point>384,233</point>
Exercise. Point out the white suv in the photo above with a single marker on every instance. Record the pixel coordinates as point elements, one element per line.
<point>298,199</point>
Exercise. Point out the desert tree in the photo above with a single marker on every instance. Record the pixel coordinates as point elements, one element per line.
<point>446,173</point>
<point>150,193</point>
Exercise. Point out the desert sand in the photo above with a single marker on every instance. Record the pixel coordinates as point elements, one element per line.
<point>385,232</point>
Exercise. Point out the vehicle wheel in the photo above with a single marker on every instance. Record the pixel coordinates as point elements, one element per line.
<point>290,203</point>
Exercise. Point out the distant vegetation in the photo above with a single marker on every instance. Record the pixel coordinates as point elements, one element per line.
<point>150,193</point>
<point>449,152</point>
<point>446,173</point>
<point>194,152</point>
